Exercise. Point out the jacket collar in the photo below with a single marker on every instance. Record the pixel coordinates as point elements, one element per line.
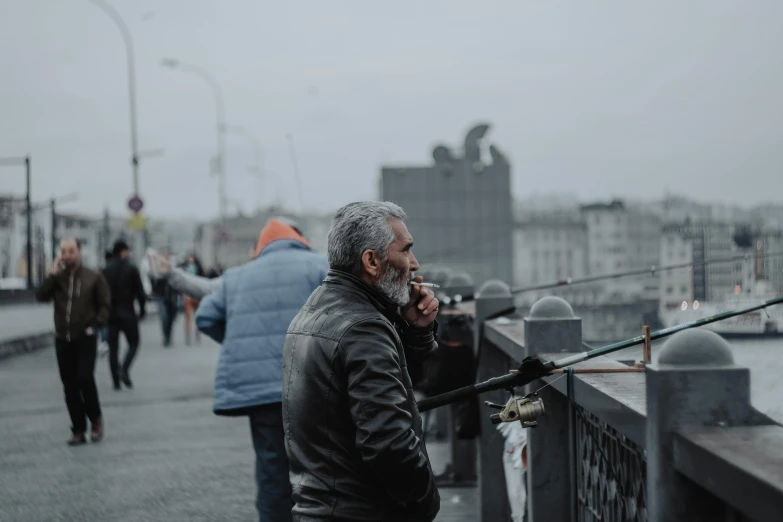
<point>378,300</point>
<point>282,244</point>
<point>76,273</point>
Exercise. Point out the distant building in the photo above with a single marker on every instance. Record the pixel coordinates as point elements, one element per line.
<point>549,248</point>
<point>716,276</point>
<point>13,240</point>
<point>621,238</point>
<point>459,209</point>
<point>768,216</point>
<point>769,258</point>
<point>560,204</point>
<point>676,285</point>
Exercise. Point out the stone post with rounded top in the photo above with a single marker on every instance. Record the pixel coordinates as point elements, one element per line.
<point>693,384</point>
<point>494,297</point>
<point>550,328</point>
<point>463,451</point>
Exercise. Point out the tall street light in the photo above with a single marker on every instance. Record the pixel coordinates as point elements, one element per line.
<point>218,167</point>
<point>258,152</point>
<point>126,36</point>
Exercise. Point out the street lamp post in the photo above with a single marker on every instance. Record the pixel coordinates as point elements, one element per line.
<point>126,36</point>
<point>29,213</point>
<point>150,153</point>
<point>258,169</point>
<point>219,164</point>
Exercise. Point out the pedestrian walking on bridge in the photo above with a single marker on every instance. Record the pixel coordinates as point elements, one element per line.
<point>125,285</point>
<point>249,314</point>
<point>168,302</point>
<point>81,307</point>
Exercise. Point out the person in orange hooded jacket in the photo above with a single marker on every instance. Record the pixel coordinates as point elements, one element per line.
<point>249,315</point>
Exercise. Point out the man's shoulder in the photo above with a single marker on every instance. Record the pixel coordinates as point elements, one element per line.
<point>302,252</point>
<point>293,260</point>
<point>338,313</point>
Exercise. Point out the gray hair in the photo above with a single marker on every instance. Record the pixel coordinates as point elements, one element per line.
<point>358,227</point>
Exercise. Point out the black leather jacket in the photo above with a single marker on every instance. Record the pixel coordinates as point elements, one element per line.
<point>353,431</point>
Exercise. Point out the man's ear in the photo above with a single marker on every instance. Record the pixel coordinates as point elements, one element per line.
<point>371,263</point>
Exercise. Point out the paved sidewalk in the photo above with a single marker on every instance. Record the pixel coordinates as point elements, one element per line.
<point>25,320</point>
<point>166,456</point>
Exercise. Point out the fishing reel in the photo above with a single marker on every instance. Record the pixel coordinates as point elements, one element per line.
<point>525,409</point>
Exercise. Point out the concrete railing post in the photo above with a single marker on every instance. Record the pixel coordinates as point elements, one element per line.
<point>463,452</point>
<point>494,297</point>
<point>694,383</point>
<point>551,327</point>
<point>443,427</point>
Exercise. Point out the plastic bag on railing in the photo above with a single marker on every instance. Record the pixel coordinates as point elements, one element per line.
<point>515,467</point>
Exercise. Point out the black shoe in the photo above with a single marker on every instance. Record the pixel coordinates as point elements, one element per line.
<point>126,381</point>
<point>97,430</point>
<point>117,386</point>
<point>77,439</point>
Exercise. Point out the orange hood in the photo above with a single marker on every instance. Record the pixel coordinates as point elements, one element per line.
<point>275,230</point>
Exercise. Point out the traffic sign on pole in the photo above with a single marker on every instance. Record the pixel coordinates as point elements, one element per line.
<point>136,222</point>
<point>135,203</point>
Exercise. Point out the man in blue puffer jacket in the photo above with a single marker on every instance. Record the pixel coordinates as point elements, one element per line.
<point>249,315</point>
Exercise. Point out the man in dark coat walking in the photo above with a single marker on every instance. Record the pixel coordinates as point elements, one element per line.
<point>81,308</point>
<point>126,288</point>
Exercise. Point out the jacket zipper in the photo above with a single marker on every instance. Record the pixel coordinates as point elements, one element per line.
<point>68,309</point>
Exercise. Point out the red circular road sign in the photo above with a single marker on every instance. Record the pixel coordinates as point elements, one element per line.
<point>135,204</point>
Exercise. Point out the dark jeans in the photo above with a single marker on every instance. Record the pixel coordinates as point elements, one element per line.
<point>76,361</point>
<point>273,495</point>
<point>129,326</point>
<point>168,313</point>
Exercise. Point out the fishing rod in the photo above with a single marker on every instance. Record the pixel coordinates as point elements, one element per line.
<point>652,270</point>
<point>643,271</point>
<point>533,368</point>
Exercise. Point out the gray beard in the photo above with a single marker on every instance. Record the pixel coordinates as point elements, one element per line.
<point>394,286</point>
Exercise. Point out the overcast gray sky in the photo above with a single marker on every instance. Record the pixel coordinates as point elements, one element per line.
<point>605,98</point>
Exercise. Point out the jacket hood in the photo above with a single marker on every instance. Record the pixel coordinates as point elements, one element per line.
<point>275,230</point>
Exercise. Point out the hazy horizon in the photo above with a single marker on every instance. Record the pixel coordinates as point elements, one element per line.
<point>605,99</point>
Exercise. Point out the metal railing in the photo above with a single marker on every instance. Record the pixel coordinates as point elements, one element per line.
<point>611,479</point>
<point>677,440</point>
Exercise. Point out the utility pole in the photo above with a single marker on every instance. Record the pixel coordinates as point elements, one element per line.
<point>106,230</point>
<point>29,227</point>
<point>53,208</point>
<point>128,40</point>
<point>29,212</point>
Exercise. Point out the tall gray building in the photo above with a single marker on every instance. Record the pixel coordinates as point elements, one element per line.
<point>459,209</point>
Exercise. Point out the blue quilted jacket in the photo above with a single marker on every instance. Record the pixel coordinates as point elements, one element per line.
<point>250,314</point>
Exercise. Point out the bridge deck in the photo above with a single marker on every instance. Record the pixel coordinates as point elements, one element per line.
<point>166,456</point>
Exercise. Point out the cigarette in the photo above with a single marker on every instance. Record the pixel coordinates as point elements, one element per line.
<point>428,285</point>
